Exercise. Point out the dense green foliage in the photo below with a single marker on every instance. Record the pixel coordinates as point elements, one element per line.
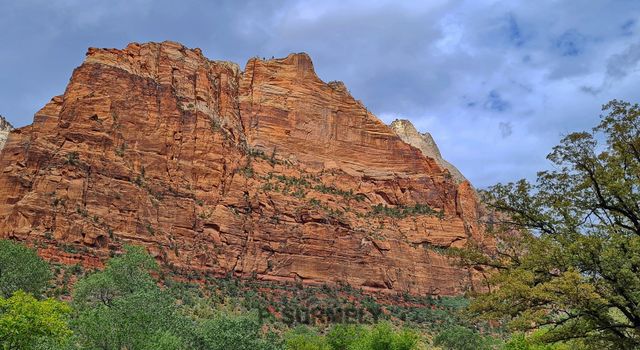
<point>123,307</point>
<point>354,337</point>
<point>28,323</point>
<point>21,269</point>
<point>568,257</point>
<point>463,338</point>
<point>228,331</point>
<point>522,342</point>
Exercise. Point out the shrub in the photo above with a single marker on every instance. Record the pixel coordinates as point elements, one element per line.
<point>383,337</point>
<point>72,158</point>
<point>353,337</point>
<point>401,211</point>
<point>342,337</point>
<point>303,338</point>
<point>519,341</point>
<point>164,341</point>
<point>228,331</point>
<point>461,338</point>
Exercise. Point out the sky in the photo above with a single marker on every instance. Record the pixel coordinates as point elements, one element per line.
<point>497,83</point>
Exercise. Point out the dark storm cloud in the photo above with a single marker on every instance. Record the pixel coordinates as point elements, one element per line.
<point>457,69</point>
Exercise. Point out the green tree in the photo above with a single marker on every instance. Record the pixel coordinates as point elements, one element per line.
<point>123,307</point>
<point>21,269</point>
<point>519,341</point>
<point>164,341</point>
<point>27,323</point>
<point>240,332</point>
<point>304,339</point>
<point>382,336</point>
<point>461,338</point>
<point>123,275</point>
<point>343,336</point>
<point>568,245</point>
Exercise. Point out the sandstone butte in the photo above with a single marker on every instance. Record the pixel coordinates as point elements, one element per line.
<point>268,172</point>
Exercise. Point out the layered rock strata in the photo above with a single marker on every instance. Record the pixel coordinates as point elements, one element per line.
<point>266,171</point>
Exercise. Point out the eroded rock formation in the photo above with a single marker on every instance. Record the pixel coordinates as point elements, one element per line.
<point>268,172</point>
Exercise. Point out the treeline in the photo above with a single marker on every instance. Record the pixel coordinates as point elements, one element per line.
<point>133,304</point>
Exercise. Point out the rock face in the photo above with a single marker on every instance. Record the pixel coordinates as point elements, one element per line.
<point>425,143</point>
<point>267,172</point>
<point>5,129</point>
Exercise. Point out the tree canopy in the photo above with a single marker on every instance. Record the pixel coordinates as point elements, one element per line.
<point>123,307</point>
<point>568,245</point>
<point>27,323</point>
<point>21,269</point>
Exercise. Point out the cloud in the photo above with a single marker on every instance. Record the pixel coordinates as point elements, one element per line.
<point>628,27</point>
<point>456,68</point>
<point>506,129</point>
<point>496,103</point>
<point>619,66</point>
<point>513,31</point>
<point>570,43</point>
<point>622,64</point>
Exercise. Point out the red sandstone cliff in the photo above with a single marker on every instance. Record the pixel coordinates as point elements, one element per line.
<point>267,171</point>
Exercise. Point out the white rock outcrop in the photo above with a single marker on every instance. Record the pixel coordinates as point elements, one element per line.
<point>425,143</point>
<point>5,129</point>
